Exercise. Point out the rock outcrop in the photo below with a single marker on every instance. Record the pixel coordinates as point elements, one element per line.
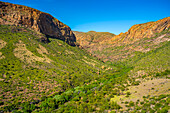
<point>12,14</point>
<point>146,30</point>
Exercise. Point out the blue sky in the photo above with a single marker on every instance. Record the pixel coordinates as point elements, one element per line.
<point>113,16</point>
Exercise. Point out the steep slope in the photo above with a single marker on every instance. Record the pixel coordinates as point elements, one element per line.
<point>139,38</point>
<point>156,61</point>
<point>18,15</point>
<point>31,70</point>
<point>146,30</point>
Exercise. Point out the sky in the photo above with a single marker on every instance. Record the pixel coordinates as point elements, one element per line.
<point>113,16</point>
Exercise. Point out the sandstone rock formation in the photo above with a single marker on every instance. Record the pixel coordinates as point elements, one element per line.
<point>146,30</point>
<point>12,14</point>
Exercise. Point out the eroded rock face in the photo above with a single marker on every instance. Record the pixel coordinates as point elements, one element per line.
<point>146,30</point>
<point>12,14</point>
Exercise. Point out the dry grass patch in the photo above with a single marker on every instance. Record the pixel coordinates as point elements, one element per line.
<point>25,55</point>
<point>42,50</point>
<point>69,52</point>
<point>90,63</point>
<point>2,44</point>
<point>153,87</point>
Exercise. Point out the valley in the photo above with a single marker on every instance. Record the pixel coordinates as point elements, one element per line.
<point>46,67</point>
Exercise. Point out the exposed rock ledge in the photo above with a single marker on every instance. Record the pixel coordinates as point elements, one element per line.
<point>12,14</point>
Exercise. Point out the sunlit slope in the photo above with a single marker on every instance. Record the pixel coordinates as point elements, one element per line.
<point>30,69</point>
<point>36,76</point>
<point>140,38</point>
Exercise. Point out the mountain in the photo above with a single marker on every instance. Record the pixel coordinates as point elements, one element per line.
<point>144,51</point>
<point>87,40</point>
<point>146,30</point>
<point>118,47</point>
<point>39,72</point>
<point>18,15</point>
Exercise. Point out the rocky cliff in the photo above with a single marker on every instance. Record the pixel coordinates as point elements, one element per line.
<point>12,14</point>
<point>146,30</point>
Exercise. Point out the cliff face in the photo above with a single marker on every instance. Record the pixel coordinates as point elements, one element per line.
<point>146,30</point>
<point>12,14</point>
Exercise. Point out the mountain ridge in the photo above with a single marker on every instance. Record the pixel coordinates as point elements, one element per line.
<point>137,31</point>
<point>145,30</point>
<point>105,48</point>
<point>19,15</point>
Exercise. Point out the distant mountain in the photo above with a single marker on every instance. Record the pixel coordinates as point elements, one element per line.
<point>110,47</point>
<point>91,38</point>
<point>18,15</point>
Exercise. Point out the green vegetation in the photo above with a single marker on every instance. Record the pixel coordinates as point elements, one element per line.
<point>151,104</point>
<point>71,74</point>
<point>61,78</point>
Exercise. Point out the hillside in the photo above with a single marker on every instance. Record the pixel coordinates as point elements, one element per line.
<point>31,70</point>
<point>139,38</point>
<point>43,71</point>
<point>55,77</point>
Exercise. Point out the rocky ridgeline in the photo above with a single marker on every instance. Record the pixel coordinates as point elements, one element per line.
<point>139,31</point>
<point>12,14</point>
<point>146,30</point>
<point>110,47</point>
